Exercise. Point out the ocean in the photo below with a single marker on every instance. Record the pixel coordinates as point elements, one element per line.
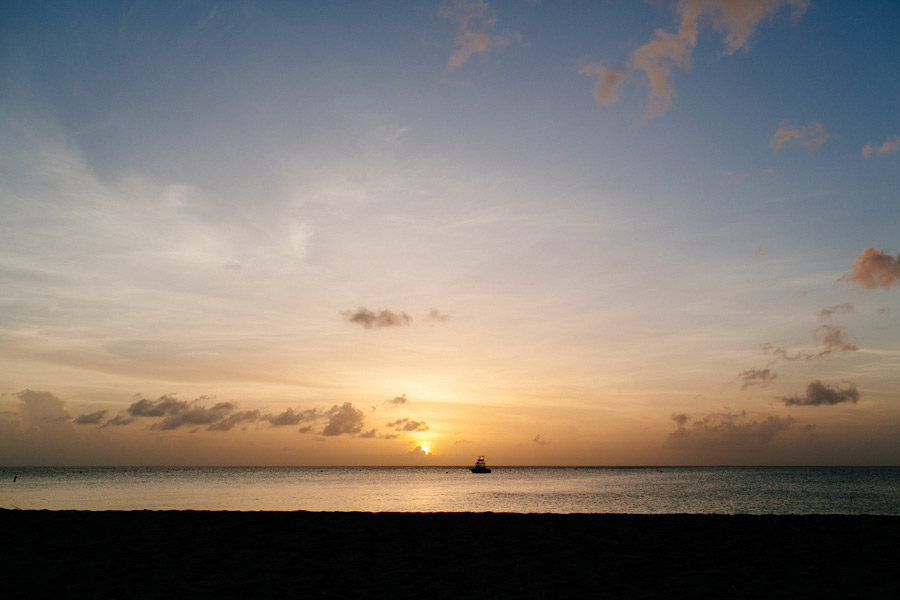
<point>632,490</point>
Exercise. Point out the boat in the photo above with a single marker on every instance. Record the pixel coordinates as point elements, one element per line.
<point>480,467</point>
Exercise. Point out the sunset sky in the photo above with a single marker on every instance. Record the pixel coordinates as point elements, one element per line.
<point>414,232</point>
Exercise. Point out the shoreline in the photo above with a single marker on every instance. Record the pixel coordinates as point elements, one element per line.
<point>237,554</point>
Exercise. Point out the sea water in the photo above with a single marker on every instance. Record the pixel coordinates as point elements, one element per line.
<point>644,490</point>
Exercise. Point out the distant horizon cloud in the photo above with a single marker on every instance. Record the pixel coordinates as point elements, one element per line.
<point>890,146</point>
<point>726,431</point>
<point>810,137</point>
<point>818,394</point>
<point>420,451</point>
<point>539,440</point>
<point>875,268</point>
<point>224,416</point>
<point>474,18</point>
<point>656,58</point>
<point>371,319</point>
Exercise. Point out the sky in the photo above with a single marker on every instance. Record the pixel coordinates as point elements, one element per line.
<point>415,232</point>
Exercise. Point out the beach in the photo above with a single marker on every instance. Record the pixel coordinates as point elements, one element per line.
<point>206,554</point>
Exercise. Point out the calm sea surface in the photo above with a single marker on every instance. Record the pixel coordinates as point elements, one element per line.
<point>724,490</point>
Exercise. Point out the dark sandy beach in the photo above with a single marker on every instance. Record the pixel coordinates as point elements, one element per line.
<point>145,554</point>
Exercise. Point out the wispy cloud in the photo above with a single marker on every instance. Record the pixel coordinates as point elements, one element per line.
<point>608,82</point>
<point>398,401</point>
<point>837,309</point>
<point>810,137</point>
<point>890,145</point>
<point>760,377</point>
<point>436,316</point>
<point>818,393</point>
<point>539,440</point>
<point>832,339</point>
<point>474,19</point>
<point>371,319</point>
<point>875,268</point>
<point>656,58</point>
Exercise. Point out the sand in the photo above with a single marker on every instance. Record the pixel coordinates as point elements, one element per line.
<point>187,554</point>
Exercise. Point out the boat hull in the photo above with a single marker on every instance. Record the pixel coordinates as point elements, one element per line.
<point>480,469</point>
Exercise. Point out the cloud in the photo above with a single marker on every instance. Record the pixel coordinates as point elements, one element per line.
<point>890,145</point>
<point>837,309</point>
<point>157,408</point>
<point>118,421</point>
<point>680,419</point>
<point>179,413</point>
<point>875,268</point>
<point>811,136</point>
<point>539,440</point>
<point>608,82</point>
<point>344,419</point>
<point>196,415</point>
<point>435,316</point>
<point>372,320</point>
<point>408,425</point>
<point>419,451</point>
<point>42,407</point>
<point>725,430</point>
<point>738,20</point>
<point>832,338</point>
<point>289,417</point>
<point>818,394</point>
<point>399,400</point>
<point>93,418</point>
<point>238,418</point>
<point>474,18</point>
<point>760,377</point>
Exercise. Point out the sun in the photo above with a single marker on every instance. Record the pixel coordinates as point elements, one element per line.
<point>426,450</point>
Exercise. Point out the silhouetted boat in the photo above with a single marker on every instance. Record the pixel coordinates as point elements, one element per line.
<point>480,466</point>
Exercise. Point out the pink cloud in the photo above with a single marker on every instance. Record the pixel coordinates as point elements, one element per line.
<point>608,82</point>
<point>474,18</point>
<point>832,339</point>
<point>875,268</point>
<point>890,145</point>
<point>838,309</point>
<point>738,20</point>
<point>810,137</point>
